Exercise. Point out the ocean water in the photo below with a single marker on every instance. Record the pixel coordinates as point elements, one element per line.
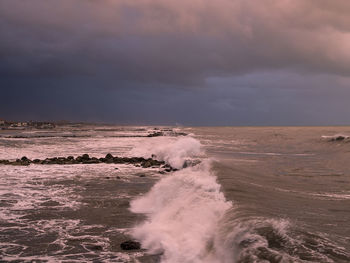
<point>241,194</point>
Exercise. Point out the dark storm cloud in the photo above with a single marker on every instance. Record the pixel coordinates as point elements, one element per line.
<point>111,59</point>
<point>167,41</point>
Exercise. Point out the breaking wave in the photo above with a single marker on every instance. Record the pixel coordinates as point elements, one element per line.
<point>189,220</point>
<point>183,213</point>
<point>173,151</point>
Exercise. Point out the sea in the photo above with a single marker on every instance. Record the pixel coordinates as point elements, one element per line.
<point>237,194</point>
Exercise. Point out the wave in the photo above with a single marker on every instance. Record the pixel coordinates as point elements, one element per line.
<point>183,213</point>
<point>336,137</point>
<point>189,220</point>
<point>173,151</point>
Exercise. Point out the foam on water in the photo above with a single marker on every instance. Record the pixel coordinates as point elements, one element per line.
<point>183,213</point>
<point>171,150</point>
<point>188,219</point>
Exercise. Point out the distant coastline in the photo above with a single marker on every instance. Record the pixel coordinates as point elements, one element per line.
<point>15,125</point>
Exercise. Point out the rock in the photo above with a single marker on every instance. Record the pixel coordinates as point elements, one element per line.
<point>146,164</point>
<point>126,159</point>
<point>142,175</point>
<point>155,134</point>
<point>130,245</point>
<point>24,158</point>
<point>70,158</point>
<point>118,177</point>
<point>115,160</point>
<point>109,156</point>
<point>85,157</point>
<point>90,161</point>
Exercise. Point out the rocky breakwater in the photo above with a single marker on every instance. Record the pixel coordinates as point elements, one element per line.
<point>86,159</point>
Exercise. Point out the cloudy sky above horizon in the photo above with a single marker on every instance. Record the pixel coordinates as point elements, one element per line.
<point>190,62</point>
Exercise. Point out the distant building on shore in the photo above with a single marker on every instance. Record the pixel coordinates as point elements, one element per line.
<point>24,125</point>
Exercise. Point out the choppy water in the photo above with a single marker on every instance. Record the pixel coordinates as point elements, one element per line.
<point>267,194</point>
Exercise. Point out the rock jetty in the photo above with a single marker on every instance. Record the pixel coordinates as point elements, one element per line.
<point>86,159</point>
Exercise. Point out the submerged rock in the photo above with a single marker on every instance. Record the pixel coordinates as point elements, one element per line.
<point>130,245</point>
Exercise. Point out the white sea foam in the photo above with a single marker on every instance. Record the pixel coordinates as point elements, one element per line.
<point>188,217</point>
<point>183,213</point>
<point>335,136</point>
<point>171,150</point>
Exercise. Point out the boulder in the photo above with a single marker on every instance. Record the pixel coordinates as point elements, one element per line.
<point>24,158</point>
<point>85,157</point>
<point>109,156</point>
<point>146,164</point>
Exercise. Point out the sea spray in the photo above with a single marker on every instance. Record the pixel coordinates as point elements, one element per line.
<point>174,151</point>
<point>189,220</point>
<point>183,211</point>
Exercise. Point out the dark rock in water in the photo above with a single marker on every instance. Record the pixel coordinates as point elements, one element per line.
<point>108,160</point>
<point>125,159</point>
<point>142,175</point>
<point>109,156</point>
<point>85,157</point>
<point>118,177</point>
<point>339,138</point>
<point>146,164</point>
<point>91,161</point>
<point>24,158</point>
<point>130,245</point>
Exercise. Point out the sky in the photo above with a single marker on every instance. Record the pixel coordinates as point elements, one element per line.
<point>184,62</point>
